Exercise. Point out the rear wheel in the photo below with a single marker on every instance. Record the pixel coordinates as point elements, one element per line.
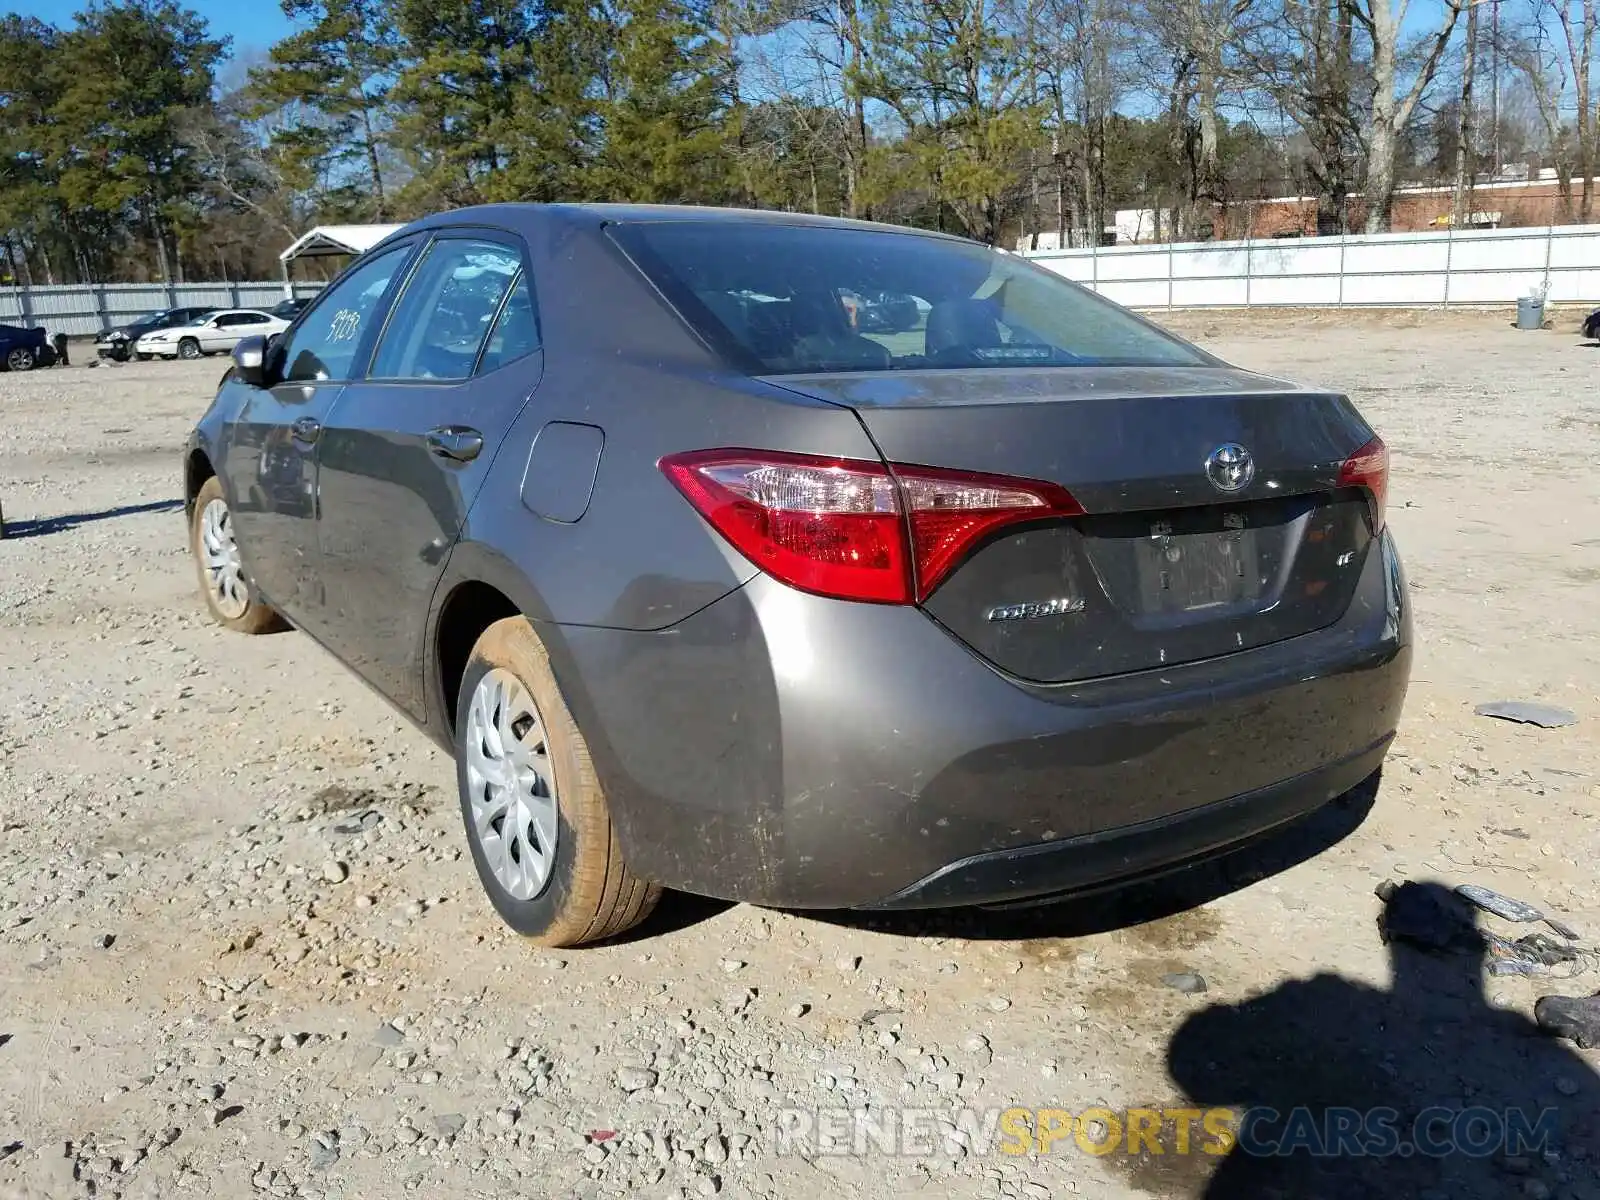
<point>537,821</point>
<point>20,359</point>
<point>189,348</point>
<point>228,593</point>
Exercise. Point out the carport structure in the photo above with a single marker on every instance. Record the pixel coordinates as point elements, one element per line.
<point>328,241</point>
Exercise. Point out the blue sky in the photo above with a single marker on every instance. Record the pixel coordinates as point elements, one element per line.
<point>252,24</point>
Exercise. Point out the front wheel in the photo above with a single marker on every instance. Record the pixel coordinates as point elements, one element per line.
<point>228,593</point>
<point>20,359</point>
<point>537,820</point>
<point>188,348</point>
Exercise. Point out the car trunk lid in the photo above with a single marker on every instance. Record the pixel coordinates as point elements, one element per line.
<point>1166,566</point>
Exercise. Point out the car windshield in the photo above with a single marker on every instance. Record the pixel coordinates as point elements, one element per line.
<point>781,299</point>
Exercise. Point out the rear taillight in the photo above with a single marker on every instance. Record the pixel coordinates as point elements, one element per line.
<point>1368,468</point>
<point>851,529</point>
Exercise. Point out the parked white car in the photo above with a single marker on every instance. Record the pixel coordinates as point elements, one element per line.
<point>217,333</point>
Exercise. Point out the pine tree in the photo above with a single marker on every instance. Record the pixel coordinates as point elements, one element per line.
<point>335,75</point>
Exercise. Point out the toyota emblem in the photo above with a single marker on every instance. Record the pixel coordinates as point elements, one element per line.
<point>1230,467</point>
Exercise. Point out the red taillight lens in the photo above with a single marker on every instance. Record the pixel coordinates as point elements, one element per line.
<point>950,511</point>
<point>851,529</point>
<point>823,525</point>
<point>1368,468</point>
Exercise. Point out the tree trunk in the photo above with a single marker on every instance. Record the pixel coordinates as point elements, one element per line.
<point>1030,220</point>
<point>851,34</point>
<point>1209,176</point>
<point>380,204</point>
<point>1061,201</point>
<point>163,263</point>
<point>1385,132</point>
<point>1461,210</point>
<point>1585,117</point>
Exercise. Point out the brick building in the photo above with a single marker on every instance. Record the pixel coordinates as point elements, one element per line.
<point>1498,204</point>
<point>1502,204</point>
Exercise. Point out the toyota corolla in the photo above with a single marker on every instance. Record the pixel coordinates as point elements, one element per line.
<point>708,585</point>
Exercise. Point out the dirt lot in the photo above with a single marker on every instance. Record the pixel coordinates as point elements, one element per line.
<point>241,948</point>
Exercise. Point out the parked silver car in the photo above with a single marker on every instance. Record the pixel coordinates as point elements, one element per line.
<point>217,333</point>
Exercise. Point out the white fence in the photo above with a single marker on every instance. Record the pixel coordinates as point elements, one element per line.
<point>1494,266</point>
<point>85,309</point>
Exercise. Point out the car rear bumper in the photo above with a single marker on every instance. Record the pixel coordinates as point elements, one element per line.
<point>783,749</point>
<point>1094,861</point>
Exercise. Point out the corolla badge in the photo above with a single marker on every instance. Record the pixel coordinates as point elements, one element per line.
<point>1033,610</point>
<point>1230,467</point>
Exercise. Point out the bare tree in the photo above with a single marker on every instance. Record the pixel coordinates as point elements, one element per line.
<point>1554,52</point>
<point>237,169</point>
<point>1460,208</point>
<point>1197,37</point>
<point>1302,54</point>
<point>1394,98</point>
<point>1084,71</point>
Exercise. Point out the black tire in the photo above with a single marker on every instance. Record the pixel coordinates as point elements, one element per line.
<point>189,349</point>
<point>590,893</point>
<point>20,359</point>
<point>257,617</point>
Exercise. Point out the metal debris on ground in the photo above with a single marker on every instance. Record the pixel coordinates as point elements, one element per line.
<point>1498,904</point>
<point>1526,712</point>
<point>1531,955</point>
<point>1562,928</point>
<point>1446,921</point>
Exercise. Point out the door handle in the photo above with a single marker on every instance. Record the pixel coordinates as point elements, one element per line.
<point>306,429</point>
<point>455,442</point>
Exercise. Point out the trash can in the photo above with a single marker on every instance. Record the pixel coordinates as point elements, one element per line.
<point>1530,312</point>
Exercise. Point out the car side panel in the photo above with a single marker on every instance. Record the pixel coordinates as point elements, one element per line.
<point>390,509</point>
<point>617,359</point>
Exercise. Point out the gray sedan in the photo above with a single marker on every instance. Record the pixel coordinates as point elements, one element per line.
<point>713,576</point>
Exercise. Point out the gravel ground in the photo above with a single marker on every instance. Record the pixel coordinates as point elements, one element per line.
<point>242,950</point>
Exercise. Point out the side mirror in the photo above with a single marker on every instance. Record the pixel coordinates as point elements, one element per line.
<point>250,361</point>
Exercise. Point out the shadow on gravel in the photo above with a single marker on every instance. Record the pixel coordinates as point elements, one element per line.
<point>45,526</point>
<point>677,910</point>
<point>1142,902</point>
<point>1337,1089</point>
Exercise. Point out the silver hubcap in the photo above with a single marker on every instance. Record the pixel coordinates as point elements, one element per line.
<point>510,786</point>
<point>188,350</point>
<point>219,554</point>
<point>20,360</point>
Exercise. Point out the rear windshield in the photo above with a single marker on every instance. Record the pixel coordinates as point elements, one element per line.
<point>782,299</point>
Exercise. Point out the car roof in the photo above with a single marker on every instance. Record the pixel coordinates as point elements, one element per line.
<point>596,215</point>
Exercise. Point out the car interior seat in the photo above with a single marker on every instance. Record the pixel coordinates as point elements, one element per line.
<point>958,327</point>
<point>824,339</point>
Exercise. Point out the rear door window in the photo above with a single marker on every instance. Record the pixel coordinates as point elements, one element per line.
<point>446,312</point>
<point>516,329</point>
